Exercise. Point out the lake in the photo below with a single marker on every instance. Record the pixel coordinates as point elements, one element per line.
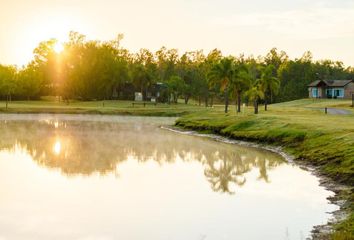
<point>112,177</point>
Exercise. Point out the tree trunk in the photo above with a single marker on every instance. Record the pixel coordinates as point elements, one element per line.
<point>238,101</point>
<point>67,100</point>
<point>206,101</point>
<point>265,104</point>
<point>7,100</point>
<point>212,101</point>
<point>226,100</point>
<point>255,106</point>
<point>186,99</point>
<point>143,93</point>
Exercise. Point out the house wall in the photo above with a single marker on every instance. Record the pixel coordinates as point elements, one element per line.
<point>321,92</point>
<point>310,92</point>
<point>332,92</point>
<point>348,90</point>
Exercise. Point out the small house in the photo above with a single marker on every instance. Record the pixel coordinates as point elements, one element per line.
<point>157,92</point>
<point>331,89</point>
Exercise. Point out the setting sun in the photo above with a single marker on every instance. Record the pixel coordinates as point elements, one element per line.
<point>58,47</point>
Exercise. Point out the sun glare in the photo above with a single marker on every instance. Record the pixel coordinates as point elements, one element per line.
<point>58,47</point>
<point>57,147</point>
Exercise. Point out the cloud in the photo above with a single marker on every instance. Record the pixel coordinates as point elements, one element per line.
<point>297,24</point>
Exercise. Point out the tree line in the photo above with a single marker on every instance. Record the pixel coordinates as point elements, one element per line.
<point>97,70</point>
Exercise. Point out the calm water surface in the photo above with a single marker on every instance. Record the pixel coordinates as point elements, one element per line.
<point>109,177</point>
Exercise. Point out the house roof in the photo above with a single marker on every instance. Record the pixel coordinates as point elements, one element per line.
<point>314,83</point>
<point>331,83</point>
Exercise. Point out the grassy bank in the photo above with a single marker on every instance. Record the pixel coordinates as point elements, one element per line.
<point>303,130</point>
<point>99,107</point>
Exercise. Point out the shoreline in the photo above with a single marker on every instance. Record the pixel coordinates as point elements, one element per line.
<point>318,232</point>
<point>112,112</point>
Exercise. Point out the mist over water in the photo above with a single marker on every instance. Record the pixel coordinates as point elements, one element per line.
<point>110,177</point>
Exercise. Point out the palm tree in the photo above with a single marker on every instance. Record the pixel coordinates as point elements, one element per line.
<point>240,82</point>
<point>222,74</point>
<point>269,84</point>
<point>255,93</point>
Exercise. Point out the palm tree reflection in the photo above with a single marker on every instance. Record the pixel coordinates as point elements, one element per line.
<point>221,174</point>
<point>86,148</point>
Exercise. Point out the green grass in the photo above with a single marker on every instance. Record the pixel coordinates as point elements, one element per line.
<point>319,103</point>
<point>303,129</point>
<point>49,105</point>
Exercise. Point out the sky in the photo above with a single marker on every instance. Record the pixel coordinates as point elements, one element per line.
<point>253,27</point>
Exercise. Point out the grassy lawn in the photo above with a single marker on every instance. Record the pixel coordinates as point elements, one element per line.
<point>303,129</point>
<point>49,105</point>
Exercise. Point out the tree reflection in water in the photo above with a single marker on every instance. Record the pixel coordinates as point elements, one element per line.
<point>85,148</point>
<point>221,174</point>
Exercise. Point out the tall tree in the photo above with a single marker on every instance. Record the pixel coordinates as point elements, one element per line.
<point>213,86</point>
<point>223,73</point>
<point>8,84</point>
<point>269,84</point>
<point>276,58</point>
<point>176,87</point>
<point>30,82</point>
<point>255,94</point>
<point>240,82</point>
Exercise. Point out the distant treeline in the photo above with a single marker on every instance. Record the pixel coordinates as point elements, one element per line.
<point>89,70</point>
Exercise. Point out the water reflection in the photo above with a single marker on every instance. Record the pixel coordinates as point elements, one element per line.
<point>85,148</point>
<point>154,180</point>
<point>57,147</point>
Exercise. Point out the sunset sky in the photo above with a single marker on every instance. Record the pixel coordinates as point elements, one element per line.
<point>326,27</point>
